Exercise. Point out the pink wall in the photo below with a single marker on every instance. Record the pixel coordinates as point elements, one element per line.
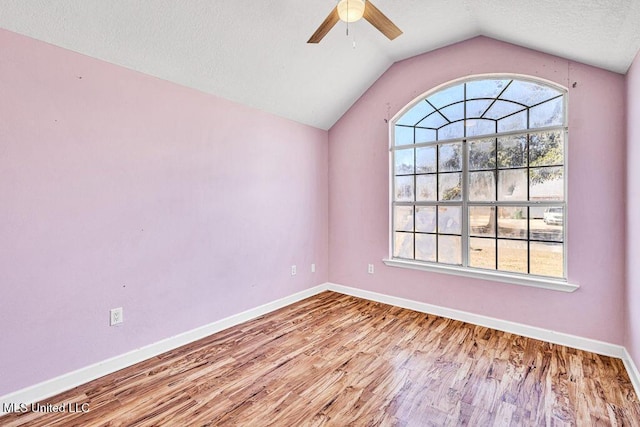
<point>633,211</point>
<point>358,193</point>
<point>120,189</point>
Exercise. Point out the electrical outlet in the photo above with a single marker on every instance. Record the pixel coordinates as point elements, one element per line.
<point>370,269</point>
<point>313,268</point>
<point>116,316</point>
<point>293,270</point>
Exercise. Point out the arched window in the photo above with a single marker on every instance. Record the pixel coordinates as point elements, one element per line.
<point>478,179</point>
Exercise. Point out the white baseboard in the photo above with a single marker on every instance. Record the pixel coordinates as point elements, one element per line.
<point>67,381</point>
<point>632,370</point>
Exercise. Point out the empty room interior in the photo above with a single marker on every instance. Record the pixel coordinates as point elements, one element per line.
<point>320,212</point>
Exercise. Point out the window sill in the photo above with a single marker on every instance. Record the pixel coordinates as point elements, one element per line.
<point>536,282</point>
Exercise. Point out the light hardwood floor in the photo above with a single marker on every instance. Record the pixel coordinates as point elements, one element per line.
<point>338,360</point>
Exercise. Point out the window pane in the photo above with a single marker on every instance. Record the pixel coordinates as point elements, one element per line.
<point>482,253</point>
<point>450,186</point>
<point>482,186</point>
<point>547,223</point>
<point>426,247</point>
<point>512,222</point>
<point>449,249</point>
<point>501,109</point>
<point>475,109</point>
<point>425,159</point>
<point>433,120</point>
<point>549,113</point>
<point>482,221</point>
<point>454,112</point>
<point>404,162</point>
<point>449,219</point>
<point>485,88</point>
<point>547,183</point>
<point>512,185</point>
<point>447,96</point>
<point>528,93</point>
<point>477,127</point>
<point>403,135</point>
<point>415,114</point>
<point>512,256</point>
<point>451,131</point>
<point>482,154</point>
<point>425,135</point>
<point>547,259</point>
<point>403,218</point>
<point>512,151</point>
<point>426,219</point>
<point>403,245</point>
<point>404,188</point>
<point>450,157</point>
<point>546,148</point>
<point>516,122</point>
<point>426,190</point>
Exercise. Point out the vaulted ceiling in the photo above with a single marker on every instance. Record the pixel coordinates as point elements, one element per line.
<point>254,51</point>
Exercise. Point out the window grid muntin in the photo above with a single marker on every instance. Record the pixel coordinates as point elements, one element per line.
<point>464,140</point>
<point>448,122</point>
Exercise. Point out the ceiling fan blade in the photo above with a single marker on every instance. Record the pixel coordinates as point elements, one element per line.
<point>324,28</point>
<point>380,21</point>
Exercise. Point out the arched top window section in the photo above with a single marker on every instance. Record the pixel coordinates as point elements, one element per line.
<point>481,107</point>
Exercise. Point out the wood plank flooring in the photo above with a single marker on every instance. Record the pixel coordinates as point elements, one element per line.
<point>338,360</point>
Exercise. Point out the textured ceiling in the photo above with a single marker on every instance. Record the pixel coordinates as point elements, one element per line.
<point>254,51</point>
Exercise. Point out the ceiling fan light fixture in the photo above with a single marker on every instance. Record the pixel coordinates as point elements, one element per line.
<point>350,10</point>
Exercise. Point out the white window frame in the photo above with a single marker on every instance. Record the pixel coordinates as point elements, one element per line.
<point>525,279</point>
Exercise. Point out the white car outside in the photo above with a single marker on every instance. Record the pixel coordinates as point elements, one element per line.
<point>553,216</point>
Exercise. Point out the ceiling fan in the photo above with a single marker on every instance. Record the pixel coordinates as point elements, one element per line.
<point>353,10</point>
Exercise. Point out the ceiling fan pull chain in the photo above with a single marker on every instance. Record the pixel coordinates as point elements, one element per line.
<point>347,18</point>
<point>354,36</point>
